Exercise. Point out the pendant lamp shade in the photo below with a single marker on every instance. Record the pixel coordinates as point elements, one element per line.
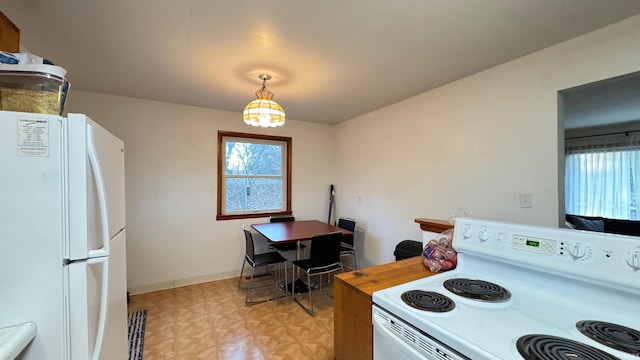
<point>263,111</point>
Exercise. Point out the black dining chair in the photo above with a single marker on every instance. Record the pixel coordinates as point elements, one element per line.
<point>347,246</point>
<point>288,250</point>
<point>283,247</point>
<point>324,258</point>
<point>282,218</point>
<point>258,260</point>
<point>289,246</point>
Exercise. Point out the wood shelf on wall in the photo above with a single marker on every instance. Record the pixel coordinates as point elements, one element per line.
<point>434,225</point>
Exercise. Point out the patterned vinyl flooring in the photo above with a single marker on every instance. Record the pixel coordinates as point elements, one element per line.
<point>210,321</point>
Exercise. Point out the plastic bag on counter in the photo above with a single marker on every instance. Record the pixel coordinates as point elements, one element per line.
<point>438,255</point>
<point>22,58</point>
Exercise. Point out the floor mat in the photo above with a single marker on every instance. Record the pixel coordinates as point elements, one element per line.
<point>137,321</point>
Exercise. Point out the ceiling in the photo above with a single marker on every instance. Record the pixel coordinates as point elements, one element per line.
<point>330,60</point>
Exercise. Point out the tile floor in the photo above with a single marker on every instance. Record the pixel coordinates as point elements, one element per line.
<point>210,321</point>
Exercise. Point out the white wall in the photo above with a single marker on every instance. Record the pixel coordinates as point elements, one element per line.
<point>475,143</point>
<point>170,163</point>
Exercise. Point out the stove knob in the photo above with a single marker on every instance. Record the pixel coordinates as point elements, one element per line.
<point>467,232</point>
<point>577,251</point>
<point>484,235</point>
<point>633,260</point>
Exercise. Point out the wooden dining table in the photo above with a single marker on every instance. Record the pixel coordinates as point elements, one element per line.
<point>296,231</point>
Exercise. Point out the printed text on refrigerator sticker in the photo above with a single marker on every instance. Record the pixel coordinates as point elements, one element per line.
<point>33,137</point>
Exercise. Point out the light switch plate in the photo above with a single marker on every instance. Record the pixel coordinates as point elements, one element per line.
<point>526,200</point>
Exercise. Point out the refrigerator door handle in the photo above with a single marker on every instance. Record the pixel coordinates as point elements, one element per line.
<point>102,197</point>
<point>104,302</point>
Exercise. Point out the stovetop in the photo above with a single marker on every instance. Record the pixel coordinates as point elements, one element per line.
<point>567,277</point>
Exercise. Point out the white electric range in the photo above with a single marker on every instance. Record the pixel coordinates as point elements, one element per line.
<point>518,292</point>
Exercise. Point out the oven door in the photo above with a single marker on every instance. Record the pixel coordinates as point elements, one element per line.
<point>393,339</point>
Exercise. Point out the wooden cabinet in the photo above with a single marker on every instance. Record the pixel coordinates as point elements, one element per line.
<point>352,291</point>
<point>353,331</point>
<point>9,35</point>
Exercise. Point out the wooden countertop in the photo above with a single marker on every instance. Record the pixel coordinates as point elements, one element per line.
<point>353,329</point>
<point>375,278</point>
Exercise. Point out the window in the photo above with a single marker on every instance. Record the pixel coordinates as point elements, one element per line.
<point>602,175</point>
<point>254,175</point>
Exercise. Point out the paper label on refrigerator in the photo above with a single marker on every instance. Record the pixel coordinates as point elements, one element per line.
<point>33,137</point>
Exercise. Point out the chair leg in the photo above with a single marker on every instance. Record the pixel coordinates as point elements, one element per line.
<point>286,279</point>
<point>277,266</point>
<point>310,297</point>
<point>284,264</point>
<point>355,265</point>
<point>244,262</point>
<point>293,285</point>
<point>329,278</point>
<point>293,296</point>
<point>246,300</point>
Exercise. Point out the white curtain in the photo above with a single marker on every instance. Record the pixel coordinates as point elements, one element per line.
<point>602,176</point>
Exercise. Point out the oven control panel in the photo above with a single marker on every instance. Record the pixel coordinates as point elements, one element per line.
<point>578,251</point>
<point>529,243</point>
<point>633,258</point>
<point>609,258</point>
<point>484,235</point>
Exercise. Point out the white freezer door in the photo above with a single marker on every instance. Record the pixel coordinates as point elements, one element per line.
<point>95,187</point>
<point>98,306</point>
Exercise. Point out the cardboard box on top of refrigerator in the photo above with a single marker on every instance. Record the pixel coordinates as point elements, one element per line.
<point>34,88</point>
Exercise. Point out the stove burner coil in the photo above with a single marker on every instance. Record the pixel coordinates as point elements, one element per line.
<point>477,290</point>
<point>547,347</point>
<point>428,300</point>
<point>612,335</point>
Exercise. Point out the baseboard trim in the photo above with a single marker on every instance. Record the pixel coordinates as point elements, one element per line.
<point>171,284</point>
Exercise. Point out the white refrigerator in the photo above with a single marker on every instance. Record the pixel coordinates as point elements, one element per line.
<point>63,236</point>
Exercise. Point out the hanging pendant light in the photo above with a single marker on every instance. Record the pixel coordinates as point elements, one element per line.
<point>263,111</point>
